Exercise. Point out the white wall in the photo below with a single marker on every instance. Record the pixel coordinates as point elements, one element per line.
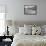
<point>15,10</point>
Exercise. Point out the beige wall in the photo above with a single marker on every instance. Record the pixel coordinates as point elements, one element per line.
<point>15,9</point>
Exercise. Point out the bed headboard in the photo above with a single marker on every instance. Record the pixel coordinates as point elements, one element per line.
<point>21,23</point>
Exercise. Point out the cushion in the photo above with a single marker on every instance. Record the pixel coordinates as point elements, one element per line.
<point>36,30</point>
<point>13,30</point>
<point>44,29</point>
<point>28,26</point>
<point>44,26</point>
<point>28,31</point>
<point>21,30</point>
<point>24,30</point>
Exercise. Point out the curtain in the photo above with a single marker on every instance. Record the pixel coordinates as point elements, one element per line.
<point>2,19</point>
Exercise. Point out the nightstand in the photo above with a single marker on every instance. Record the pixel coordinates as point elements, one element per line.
<point>7,43</point>
<point>4,40</point>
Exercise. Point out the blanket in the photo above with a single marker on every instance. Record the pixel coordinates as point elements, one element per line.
<point>29,40</point>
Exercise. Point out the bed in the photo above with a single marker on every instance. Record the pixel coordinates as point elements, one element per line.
<point>29,40</point>
<point>24,38</point>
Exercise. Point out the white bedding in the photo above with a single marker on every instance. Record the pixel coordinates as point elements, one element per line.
<point>29,40</point>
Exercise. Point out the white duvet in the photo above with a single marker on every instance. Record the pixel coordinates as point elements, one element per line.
<point>29,40</point>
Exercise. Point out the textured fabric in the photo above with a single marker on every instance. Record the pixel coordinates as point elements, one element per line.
<point>31,44</point>
<point>21,30</point>
<point>36,30</point>
<point>24,30</point>
<point>44,27</point>
<point>29,40</point>
<point>28,26</point>
<point>13,30</point>
<point>28,31</point>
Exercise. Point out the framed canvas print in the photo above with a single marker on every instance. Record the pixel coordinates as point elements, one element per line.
<point>30,9</point>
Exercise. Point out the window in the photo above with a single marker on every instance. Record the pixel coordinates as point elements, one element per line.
<point>2,19</point>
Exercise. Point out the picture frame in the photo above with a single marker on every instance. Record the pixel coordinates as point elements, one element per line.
<point>30,9</point>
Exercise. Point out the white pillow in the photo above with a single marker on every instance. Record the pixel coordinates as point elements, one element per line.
<point>36,30</point>
<point>24,30</point>
<point>21,30</point>
<point>42,30</point>
<point>28,31</point>
<point>13,30</point>
<point>28,26</point>
<point>44,27</point>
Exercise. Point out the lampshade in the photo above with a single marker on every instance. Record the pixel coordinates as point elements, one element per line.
<point>9,22</point>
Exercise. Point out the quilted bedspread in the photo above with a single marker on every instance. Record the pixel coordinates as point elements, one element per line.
<point>29,40</point>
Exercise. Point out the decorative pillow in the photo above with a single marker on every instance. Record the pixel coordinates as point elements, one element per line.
<point>36,30</point>
<point>44,29</point>
<point>23,30</point>
<point>28,26</point>
<point>33,30</point>
<point>28,31</point>
<point>13,30</point>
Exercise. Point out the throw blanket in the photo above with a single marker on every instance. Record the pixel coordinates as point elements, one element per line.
<point>29,40</point>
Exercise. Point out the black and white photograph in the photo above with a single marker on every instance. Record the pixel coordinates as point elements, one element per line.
<point>30,9</point>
